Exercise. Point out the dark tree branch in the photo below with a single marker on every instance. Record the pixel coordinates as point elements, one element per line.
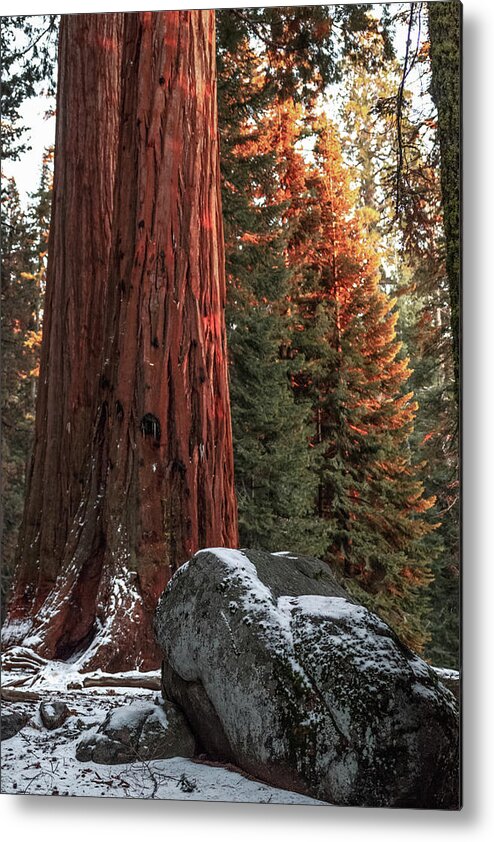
<point>30,46</point>
<point>399,112</point>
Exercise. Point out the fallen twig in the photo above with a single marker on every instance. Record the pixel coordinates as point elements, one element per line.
<point>17,694</point>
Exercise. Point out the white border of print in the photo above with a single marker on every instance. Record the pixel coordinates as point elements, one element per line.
<point>74,819</point>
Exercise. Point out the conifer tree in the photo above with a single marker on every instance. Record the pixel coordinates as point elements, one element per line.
<point>425,328</point>
<point>343,336</point>
<point>24,241</point>
<point>266,58</point>
<point>18,362</point>
<point>371,494</point>
<point>27,46</point>
<point>423,316</point>
<point>414,249</point>
<point>275,482</point>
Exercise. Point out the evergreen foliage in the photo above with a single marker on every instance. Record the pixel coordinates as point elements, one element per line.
<point>27,49</point>
<point>275,482</point>
<point>371,493</point>
<point>342,305</point>
<point>338,328</point>
<point>265,56</point>
<point>424,326</point>
<point>24,246</point>
<point>413,246</point>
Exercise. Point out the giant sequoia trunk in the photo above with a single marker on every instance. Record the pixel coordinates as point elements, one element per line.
<point>158,481</point>
<point>88,104</point>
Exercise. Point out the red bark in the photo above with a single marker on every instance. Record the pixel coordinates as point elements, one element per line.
<point>88,101</point>
<point>160,466</point>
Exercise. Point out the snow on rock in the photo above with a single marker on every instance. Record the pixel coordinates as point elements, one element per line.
<point>138,732</point>
<point>443,672</point>
<point>451,679</point>
<point>279,671</point>
<point>53,714</point>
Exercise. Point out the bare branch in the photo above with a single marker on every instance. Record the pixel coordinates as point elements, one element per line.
<point>399,112</point>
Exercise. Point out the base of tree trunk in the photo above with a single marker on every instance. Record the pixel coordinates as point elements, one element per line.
<point>118,637</point>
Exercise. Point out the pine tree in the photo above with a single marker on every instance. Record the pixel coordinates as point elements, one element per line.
<point>274,478</point>
<point>425,328</point>
<point>413,246</point>
<point>24,239</point>
<point>423,317</point>
<point>371,494</point>
<point>27,46</point>
<point>18,364</point>
<point>274,466</point>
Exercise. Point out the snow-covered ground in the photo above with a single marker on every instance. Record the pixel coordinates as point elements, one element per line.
<point>42,762</point>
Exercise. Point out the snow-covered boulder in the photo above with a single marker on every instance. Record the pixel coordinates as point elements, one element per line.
<point>281,673</point>
<point>53,714</point>
<point>136,732</point>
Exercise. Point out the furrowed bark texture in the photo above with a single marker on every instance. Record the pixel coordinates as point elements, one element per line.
<point>76,288</point>
<point>159,479</point>
<point>445,54</point>
<point>166,404</point>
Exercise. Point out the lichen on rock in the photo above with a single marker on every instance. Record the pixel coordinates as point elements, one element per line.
<point>301,686</point>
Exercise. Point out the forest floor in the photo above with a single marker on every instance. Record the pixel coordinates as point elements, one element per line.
<point>38,761</point>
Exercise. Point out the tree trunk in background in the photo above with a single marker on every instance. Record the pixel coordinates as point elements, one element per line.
<point>159,472</point>
<point>88,101</point>
<point>445,55</point>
